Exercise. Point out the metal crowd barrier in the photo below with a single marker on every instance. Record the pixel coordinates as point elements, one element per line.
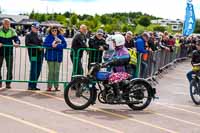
<point>157,61</point>
<point>161,59</point>
<point>21,65</point>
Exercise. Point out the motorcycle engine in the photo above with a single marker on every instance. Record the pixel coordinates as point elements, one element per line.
<point>110,97</point>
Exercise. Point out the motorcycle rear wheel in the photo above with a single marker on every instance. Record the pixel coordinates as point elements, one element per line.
<point>142,88</point>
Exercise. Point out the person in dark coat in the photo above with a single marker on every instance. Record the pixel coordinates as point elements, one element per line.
<point>33,39</point>
<point>97,42</point>
<point>79,41</point>
<point>129,42</point>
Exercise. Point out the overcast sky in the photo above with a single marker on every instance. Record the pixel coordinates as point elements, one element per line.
<point>171,9</point>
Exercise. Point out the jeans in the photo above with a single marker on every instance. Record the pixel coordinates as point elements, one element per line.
<point>9,66</point>
<point>144,66</point>
<point>36,68</point>
<point>189,75</point>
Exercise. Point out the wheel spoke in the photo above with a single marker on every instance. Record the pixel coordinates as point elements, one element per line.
<point>84,97</point>
<point>78,95</point>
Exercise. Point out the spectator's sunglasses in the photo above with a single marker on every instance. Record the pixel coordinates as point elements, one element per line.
<point>54,30</point>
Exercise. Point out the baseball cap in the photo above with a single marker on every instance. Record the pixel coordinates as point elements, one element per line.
<point>36,25</point>
<point>100,31</point>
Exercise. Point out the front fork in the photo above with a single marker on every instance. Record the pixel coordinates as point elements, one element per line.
<point>94,92</point>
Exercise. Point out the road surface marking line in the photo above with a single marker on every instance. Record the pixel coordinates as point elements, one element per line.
<point>172,104</point>
<point>110,113</point>
<point>27,123</point>
<point>62,114</point>
<point>115,114</point>
<point>174,118</point>
<point>184,110</point>
<point>135,120</point>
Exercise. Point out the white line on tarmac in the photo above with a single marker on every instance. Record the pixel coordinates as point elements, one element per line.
<point>62,114</point>
<point>180,109</point>
<point>116,115</point>
<point>110,113</point>
<point>174,118</point>
<point>27,123</point>
<point>179,105</point>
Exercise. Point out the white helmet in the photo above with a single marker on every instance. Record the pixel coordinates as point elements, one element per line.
<point>118,39</point>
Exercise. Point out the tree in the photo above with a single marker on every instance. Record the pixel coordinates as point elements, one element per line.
<point>133,21</point>
<point>32,15</point>
<point>74,19</point>
<point>36,16</point>
<point>85,17</point>
<point>127,27</point>
<point>61,19</point>
<point>108,28</point>
<point>144,21</point>
<point>103,19</point>
<point>159,28</point>
<point>42,18</point>
<point>197,27</point>
<point>67,14</point>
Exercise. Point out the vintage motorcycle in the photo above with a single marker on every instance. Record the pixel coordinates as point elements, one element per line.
<point>81,92</point>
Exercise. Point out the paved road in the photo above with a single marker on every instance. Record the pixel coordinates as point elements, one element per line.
<point>23,111</point>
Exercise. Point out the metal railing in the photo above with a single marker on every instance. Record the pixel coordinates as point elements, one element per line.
<point>73,60</point>
<point>22,62</point>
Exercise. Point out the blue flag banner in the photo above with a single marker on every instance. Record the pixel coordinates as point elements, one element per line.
<point>189,23</point>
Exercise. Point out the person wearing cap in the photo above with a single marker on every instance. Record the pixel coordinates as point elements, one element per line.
<point>129,42</point>
<point>8,36</point>
<point>33,39</point>
<point>97,42</point>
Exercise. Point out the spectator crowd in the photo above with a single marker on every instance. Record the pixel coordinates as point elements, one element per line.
<point>51,49</point>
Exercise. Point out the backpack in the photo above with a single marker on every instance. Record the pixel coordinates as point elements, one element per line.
<point>133,56</point>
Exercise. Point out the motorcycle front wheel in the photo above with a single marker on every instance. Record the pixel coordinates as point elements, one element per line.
<point>195,91</point>
<point>78,95</point>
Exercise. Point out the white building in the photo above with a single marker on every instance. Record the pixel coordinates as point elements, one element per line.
<point>176,25</point>
<point>16,18</point>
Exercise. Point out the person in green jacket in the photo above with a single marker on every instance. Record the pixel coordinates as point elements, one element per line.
<point>8,36</point>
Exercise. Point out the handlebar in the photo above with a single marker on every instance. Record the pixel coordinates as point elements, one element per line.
<point>105,64</point>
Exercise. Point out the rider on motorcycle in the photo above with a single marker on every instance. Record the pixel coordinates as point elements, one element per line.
<point>195,60</point>
<point>121,57</point>
<point>118,62</point>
